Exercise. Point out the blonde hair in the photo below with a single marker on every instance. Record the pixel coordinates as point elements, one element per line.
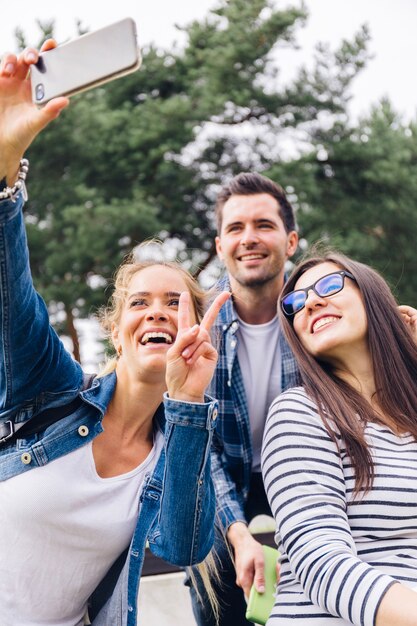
<point>110,314</point>
<point>207,570</point>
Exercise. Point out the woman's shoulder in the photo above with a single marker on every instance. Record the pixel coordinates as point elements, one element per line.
<point>295,397</point>
<point>297,407</point>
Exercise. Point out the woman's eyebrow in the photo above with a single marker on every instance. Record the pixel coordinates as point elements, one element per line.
<point>146,294</point>
<point>139,294</point>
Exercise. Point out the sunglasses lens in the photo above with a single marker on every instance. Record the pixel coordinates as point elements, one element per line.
<point>328,285</point>
<point>293,302</point>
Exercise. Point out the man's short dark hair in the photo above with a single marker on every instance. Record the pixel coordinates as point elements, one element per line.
<point>248,184</point>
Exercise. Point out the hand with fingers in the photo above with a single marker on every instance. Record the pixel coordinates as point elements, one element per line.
<point>192,359</point>
<point>20,119</point>
<point>249,558</point>
<point>409,315</point>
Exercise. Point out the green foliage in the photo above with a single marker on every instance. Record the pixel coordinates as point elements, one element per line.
<point>145,154</point>
<point>358,191</point>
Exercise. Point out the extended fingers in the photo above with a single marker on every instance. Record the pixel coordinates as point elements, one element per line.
<point>184,312</point>
<point>12,65</point>
<point>8,64</point>
<point>213,311</point>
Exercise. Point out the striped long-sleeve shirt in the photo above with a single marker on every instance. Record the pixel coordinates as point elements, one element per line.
<point>339,554</point>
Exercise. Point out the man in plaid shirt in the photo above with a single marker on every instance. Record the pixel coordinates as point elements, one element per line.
<point>256,235</point>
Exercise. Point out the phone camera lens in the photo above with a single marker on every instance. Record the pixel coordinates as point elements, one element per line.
<point>40,91</point>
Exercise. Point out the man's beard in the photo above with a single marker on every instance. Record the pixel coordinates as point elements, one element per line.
<point>256,281</point>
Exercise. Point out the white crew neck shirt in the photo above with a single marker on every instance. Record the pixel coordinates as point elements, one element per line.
<point>62,527</point>
<point>259,358</point>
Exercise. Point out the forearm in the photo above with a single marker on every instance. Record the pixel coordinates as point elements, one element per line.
<point>186,519</point>
<point>33,358</point>
<point>398,607</point>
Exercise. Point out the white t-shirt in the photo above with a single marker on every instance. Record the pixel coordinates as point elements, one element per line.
<point>62,527</point>
<point>259,357</point>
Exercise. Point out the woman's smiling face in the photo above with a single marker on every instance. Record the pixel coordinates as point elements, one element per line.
<point>331,328</point>
<point>149,321</point>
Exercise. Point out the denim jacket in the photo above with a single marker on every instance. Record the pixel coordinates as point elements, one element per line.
<point>177,501</point>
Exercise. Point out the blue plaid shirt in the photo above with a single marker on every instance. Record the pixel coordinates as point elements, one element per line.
<point>231,454</point>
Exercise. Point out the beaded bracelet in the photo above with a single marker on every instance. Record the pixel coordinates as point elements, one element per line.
<point>11,192</point>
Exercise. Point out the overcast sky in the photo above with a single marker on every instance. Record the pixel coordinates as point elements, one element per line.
<point>392,23</point>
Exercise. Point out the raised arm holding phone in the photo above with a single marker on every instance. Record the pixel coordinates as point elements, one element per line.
<point>81,497</point>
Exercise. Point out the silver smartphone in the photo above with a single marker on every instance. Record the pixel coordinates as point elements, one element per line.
<point>86,62</point>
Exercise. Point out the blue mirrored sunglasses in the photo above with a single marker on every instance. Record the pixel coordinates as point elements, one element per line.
<point>325,286</point>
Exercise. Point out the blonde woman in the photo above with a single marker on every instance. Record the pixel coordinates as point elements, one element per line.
<point>128,462</point>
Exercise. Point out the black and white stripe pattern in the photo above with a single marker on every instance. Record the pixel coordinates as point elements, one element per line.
<point>339,555</point>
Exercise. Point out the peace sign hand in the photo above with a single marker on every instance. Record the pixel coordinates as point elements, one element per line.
<point>192,359</point>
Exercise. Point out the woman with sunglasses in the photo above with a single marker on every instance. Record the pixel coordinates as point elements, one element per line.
<point>128,460</point>
<point>340,452</point>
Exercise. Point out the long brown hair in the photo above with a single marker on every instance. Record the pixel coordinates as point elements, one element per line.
<point>394,360</point>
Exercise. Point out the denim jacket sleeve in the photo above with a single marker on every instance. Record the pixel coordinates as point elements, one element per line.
<point>185,531</point>
<point>32,359</point>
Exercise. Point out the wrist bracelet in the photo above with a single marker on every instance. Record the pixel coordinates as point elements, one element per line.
<point>10,193</point>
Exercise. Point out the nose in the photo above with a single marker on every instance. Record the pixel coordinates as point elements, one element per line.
<point>314,301</point>
<point>249,236</point>
<point>156,315</point>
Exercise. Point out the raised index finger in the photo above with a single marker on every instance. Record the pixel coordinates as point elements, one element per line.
<point>184,311</point>
<point>213,311</point>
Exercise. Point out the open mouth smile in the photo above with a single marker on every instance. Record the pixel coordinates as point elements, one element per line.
<point>156,337</point>
<point>323,321</point>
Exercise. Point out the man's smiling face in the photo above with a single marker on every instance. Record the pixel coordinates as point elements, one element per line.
<point>253,242</point>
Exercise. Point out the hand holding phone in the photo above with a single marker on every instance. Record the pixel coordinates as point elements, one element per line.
<point>260,604</point>
<point>86,62</point>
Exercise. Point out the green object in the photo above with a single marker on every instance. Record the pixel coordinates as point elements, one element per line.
<point>260,604</point>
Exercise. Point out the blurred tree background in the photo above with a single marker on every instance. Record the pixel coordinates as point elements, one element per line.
<point>146,154</point>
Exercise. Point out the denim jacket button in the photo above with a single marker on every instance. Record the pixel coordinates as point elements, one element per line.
<point>83,431</point>
<point>214,414</point>
<point>26,458</point>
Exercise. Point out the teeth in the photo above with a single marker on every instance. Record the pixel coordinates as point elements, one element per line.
<point>159,335</point>
<point>323,321</point>
<point>251,257</point>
